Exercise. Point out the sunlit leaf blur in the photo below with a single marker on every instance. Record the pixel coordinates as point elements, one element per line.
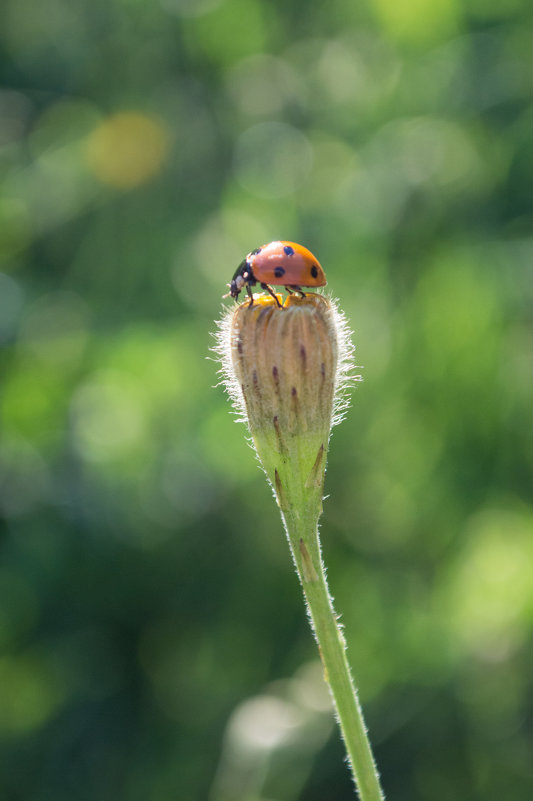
<point>153,643</point>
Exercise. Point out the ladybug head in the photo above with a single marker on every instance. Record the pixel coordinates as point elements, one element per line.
<point>243,277</point>
<point>236,285</point>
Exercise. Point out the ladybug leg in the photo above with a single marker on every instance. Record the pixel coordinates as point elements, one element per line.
<point>297,289</point>
<point>270,292</point>
<point>250,295</point>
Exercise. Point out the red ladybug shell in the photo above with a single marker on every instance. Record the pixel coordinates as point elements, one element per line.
<point>286,264</point>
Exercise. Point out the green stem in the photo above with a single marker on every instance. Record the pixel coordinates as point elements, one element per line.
<point>303,537</point>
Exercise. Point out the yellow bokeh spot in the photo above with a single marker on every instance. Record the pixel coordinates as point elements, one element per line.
<point>127,149</point>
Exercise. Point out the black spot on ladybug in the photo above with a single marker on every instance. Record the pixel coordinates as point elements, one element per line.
<point>279,271</point>
<point>288,250</point>
<point>314,271</point>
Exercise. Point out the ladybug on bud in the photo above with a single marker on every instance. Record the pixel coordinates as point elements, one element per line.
<point>284,264</point>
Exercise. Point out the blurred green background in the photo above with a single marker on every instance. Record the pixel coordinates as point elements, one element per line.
<point>153,642</point>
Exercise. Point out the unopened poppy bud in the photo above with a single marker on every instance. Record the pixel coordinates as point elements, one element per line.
<point>285,368</point>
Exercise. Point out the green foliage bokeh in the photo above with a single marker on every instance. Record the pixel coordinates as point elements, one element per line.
<point>153,643</point>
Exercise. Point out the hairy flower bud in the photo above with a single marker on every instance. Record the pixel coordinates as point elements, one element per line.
<point>285,368</point>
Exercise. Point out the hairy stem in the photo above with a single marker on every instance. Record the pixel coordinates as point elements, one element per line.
<point>303,537</point>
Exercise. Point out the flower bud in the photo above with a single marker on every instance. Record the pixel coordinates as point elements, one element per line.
<point>284,367</point>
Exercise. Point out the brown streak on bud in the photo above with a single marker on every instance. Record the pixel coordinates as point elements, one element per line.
<point>296,420</point>
<point>266,311</point>
<point>281,445</point>
<point>275,375</point>
<point>303,356</point>
<point>316,475</point>
<point>280,493</point>
<point>309,573</point>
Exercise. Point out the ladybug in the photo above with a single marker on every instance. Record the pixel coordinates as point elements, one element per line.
<point>281,264</point>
